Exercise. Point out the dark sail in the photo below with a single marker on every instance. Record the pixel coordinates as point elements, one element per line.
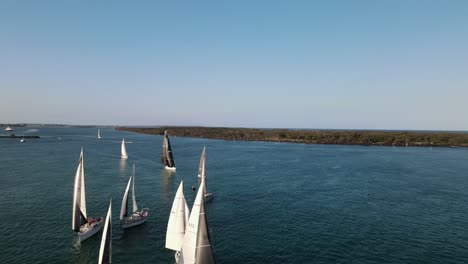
<point>170,158</point>
<point>166,153</point>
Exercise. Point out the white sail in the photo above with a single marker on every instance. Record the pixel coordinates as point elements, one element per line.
<point>135,206</point>
<point>105,251</point>
<point>123,150</point>
<point>196,246</point>
<point>79,196</point>
<point>202,170</point>
<point>99,134</point>
<point>124,207</point>
<point>201,165</point>
<point>178,220</point>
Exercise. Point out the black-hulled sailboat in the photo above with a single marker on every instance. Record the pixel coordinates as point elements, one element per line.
<point>166,154</point>
<point>81,223</point>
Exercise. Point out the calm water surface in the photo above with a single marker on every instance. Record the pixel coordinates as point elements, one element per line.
<point>274,202</point>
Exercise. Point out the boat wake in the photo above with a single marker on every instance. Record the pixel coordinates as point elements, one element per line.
<point>32,130</point>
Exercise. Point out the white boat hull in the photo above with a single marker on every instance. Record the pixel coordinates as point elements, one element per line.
<point>169,168</point>
<point>87,232</point>
<point>135,219</point>
<point>124,157</point>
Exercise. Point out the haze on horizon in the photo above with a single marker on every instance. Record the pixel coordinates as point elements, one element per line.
<point>302,64</point>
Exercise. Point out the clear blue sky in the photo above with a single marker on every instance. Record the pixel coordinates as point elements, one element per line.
<point>299,64</point>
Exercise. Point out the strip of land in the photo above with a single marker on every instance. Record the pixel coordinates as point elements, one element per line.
<point>337,137</point>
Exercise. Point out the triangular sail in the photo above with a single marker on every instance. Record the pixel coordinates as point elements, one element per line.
<point>166,153</point>
<point>135,206</point>
<point>123,150</point>
<point>201,165</point>
<point>99,134</point>
<point>124,207</point>
<point>164,150</point>
<point>202,169</point>
<point>79,196</point>
<point>178,220</point>
<point>105,252</point>
<point>196,246</point>
<point>170,158</point>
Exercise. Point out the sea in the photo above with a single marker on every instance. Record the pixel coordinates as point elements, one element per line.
<point>273,202</point>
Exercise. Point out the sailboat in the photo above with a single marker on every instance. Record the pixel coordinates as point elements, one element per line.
<point>123,150</point>
<point>196,246</point>
<point>202,175</point>
<point>8,128</point>
<point>138,216</point>
<point>81,223</point>
<point>166,154</point>
<point>99,133</point>
<point>178,220</point>
<point>105,251</point>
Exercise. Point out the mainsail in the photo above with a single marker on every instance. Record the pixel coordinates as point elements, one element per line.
<point>196,246</point>
<point>124,208</point>
<point>178,220</point>
<point>105,252</point>
<point>166,154</point>
<point>202,170</point>
<point>79,216</point>
<point>135,206</point>
<point>123,150</point>
<point>201,165</point>
<point>99,134</point>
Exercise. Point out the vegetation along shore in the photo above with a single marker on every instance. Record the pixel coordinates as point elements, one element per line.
<point>338,137</point>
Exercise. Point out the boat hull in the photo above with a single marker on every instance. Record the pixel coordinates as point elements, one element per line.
<point>169,168</point>
<point>87,232</point>
<point>135,219</point>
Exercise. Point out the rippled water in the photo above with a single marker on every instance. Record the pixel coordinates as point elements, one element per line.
<point>274,202</point>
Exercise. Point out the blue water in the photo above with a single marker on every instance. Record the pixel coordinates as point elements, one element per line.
<point>274,202</point>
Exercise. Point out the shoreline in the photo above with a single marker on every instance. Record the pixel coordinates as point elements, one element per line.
<point>327,137</point>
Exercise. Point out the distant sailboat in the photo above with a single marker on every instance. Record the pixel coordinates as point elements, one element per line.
<point>166,154</point>
<point>99,133</point>
<point>202,175</point>
<point>81,223</point>
<point>196,246</point>
<point>105,251</point>
<point>123,150</point>
<point>138,216</point>
<point>8,128</point>
<point>178,220</point>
